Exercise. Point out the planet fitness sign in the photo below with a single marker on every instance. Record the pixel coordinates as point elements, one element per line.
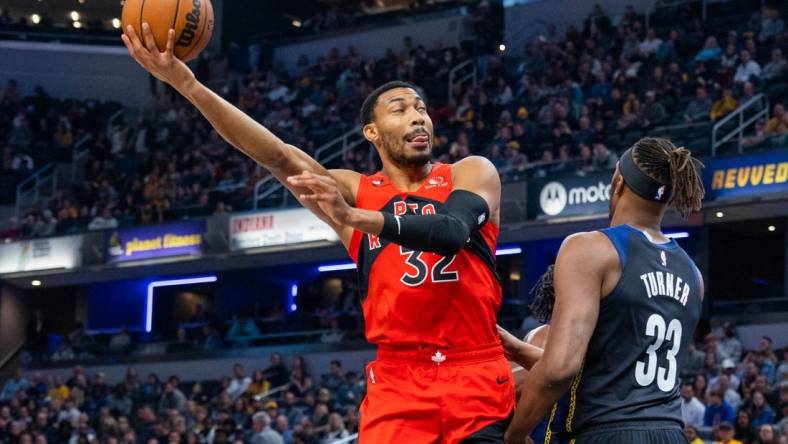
<point>184,238</point>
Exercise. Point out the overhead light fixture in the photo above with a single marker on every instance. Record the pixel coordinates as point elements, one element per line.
<point>35,18</point>
<point>336,267</point>
<point>296,23</point>
<point>720,214</point>
<point>81,2</point>
<point>35,283</point>
<point>77,25</point>
<point>772,228</point>
<point>508,251</point>
<point>116,23</point>
<point>502,47</point>
<point>74,16</point>
<point>171,283</point>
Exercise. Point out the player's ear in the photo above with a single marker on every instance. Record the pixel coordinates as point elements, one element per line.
<point>617,187</point>
<point>371,132</point>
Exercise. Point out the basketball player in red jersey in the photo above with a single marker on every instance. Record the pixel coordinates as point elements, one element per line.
<point>423,236</point>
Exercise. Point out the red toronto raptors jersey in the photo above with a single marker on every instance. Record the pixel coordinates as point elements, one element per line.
<point>414,298</point>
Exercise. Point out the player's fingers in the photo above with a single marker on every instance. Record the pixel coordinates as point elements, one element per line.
<point>310,182</point>
<point>310,197</point>
<point>147,36</point>
<point>170,42</point>
<point>136,44</point>
<point>127,44</point>
<point>326,180</point>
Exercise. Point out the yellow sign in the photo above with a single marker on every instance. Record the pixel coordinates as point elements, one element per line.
<point>750,176</point>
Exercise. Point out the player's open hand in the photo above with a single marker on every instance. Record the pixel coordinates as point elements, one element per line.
<point>162,65</point>
<point>325,192</point>
<point>511,345</point>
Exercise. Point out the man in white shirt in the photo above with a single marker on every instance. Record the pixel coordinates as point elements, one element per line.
<point>692,410</point>
<point>731,396</point>
<point>729,346</point>
<point>650,44</point>
<point>104,221</point>
<point>240,382</point>
<point>729,370</point>
<point>747,69</point>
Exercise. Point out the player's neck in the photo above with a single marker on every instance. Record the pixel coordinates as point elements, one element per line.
<point>629,213</point>
<point>407,178</point>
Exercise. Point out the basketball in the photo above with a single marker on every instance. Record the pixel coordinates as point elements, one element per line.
<point>191,20</point>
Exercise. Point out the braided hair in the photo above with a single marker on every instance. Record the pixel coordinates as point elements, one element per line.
<point>664,162</point>
<point>543,293</point>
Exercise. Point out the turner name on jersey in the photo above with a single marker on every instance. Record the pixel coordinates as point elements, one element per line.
<point>664,283</point>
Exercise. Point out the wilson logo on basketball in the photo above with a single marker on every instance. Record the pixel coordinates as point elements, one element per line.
<point>192,22</point>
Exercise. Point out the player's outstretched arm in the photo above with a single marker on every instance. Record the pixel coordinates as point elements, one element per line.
<point>473,202</point>
<point>581,266</point>
<point>238,129</point>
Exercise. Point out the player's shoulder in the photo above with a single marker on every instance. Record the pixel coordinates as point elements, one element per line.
<point>348,181</point>
<point>477,169</point>
<point>584,239</point>
<point>473,163</point>
<point>340,174</point>
<point>590,245</point>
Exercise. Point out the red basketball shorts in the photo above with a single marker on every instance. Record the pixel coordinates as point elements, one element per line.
<point>421,396</point>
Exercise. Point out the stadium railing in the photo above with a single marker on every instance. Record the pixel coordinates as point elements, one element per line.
<point>35,186</point>
<point>759,105</point>
<point>328,152</point>
<point>461,74</point>
<point>77,154</point>
<point>352,439</point>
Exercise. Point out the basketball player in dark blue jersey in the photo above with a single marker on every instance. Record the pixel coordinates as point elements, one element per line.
<point>627,300</point>
<point>552,428</point>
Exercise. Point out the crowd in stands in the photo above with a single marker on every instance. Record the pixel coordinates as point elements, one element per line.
<point>737,396</point>
<point>740,396</point>
<point>275,405</point>
<point>566,104</point>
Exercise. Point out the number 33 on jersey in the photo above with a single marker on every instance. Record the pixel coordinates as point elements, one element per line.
<point>421,298</point>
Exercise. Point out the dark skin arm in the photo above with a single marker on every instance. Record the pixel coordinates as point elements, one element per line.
<point>587,267</point>
<point>238,129</point>
<point>474,174</point>
<point>517,351</point>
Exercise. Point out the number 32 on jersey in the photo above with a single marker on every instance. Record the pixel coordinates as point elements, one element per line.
<point>420,269</point>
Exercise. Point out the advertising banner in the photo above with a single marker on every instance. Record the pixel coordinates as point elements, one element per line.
<point>132,244</point>
<point>570,195</point>
<point>744,176</point>
<point>278,228</point>
<point>41,254</point>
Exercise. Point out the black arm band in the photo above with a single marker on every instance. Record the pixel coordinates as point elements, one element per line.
<point>444,233</point>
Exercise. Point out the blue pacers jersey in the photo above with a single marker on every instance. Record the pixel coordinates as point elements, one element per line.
<point>639,346</point>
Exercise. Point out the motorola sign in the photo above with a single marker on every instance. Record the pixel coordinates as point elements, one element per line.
<point>552,199</point>
<point>569,195</point>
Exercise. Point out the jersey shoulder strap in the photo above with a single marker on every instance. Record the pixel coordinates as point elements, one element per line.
<point>620,237</point>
